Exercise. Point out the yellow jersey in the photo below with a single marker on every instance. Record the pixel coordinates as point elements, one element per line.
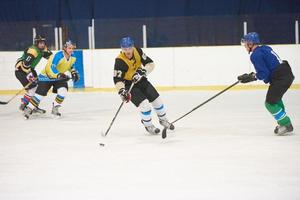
<point>125,68</point>
<point>56,64</point>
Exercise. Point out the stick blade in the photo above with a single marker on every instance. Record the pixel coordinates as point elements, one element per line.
<point>103,134</point>
<point>164,133</point>
<point>3,103</point>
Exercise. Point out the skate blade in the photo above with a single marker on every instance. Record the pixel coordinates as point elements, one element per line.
<point>284,134</point>
<point>38,112</point>
<point>56,116</point>
<point>153,133</point>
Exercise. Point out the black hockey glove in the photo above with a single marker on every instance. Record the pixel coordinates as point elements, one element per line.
<point>138,75</point>
<point>63,77</point>
<point>47,53</point>
<point>125,95</point>
<point>246,78</point>
<point>75,75</point>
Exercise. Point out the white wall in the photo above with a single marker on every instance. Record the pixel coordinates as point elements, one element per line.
<point>186,66</point>
<point>7,69</point>
<point>183,66</point>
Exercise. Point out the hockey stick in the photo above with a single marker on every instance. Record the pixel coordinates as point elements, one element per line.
<point>24,88</point>
<point>164,132</point>
<point>111,123</point>
<point>20,91</point>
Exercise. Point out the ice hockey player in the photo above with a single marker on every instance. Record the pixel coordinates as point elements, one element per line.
<point>25,69</point>
<point>271,69</point>
<point>133,66</point>
<point>53,76</point>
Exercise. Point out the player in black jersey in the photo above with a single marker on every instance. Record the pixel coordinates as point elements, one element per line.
<point>133,66</point>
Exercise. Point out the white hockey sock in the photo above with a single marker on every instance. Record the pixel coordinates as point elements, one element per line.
<point>31,92</point>
<point>61,93</point>
<point>35,101</point>
<point>159,108</point>
<point>145,113</point>
<point>27,96</point>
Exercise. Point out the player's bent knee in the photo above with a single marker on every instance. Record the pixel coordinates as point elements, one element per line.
<point>144,106</point>
<point>62,91</point>
<point>157,102</point>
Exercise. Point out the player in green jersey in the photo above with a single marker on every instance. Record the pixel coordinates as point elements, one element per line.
<point>25,68</point>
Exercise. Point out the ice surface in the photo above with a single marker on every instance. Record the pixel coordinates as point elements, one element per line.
<point>224,150</point>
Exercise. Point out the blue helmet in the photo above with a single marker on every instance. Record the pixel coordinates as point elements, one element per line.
<point>251,37</point>
<point>126,42</point>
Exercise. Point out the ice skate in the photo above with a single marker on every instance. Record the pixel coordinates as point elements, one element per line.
<point>166,124</point>
<point>22,107</point>
<point>55,111</point>
<point>283,130</point>
<point>38,110</point>
<point>27,112</point>
<point>152,129</point>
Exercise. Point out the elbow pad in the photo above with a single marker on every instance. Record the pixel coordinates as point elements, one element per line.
<point>149,67</point>
<point>119,85</point>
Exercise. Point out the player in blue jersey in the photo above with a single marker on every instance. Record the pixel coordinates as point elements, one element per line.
<point>53,75</point>
<point>273,71</point>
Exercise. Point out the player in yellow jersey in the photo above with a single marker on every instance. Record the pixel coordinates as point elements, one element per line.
<point>53,76</point>
<point>132,66</point>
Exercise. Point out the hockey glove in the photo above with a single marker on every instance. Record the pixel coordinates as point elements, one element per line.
<point>47,53</point>
<point>62,77</point>
<point>32,76</point>
<point>138,75</point>
<point>246,78</point>
<point>125,95</point>
<point>75,75</point>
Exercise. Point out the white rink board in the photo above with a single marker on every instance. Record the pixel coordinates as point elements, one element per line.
<point>187,66</point>
<point>178,66</point>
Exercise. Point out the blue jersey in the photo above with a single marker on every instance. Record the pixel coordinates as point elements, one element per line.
<point>265,61</point>
<point>56,64</point>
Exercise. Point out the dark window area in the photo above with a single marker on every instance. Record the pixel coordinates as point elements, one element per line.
<point>185,23</point>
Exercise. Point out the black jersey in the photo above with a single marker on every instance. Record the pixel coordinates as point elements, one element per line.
<point>125,68</point>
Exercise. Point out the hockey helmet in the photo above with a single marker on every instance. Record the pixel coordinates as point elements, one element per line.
<point>39,38</point>
<point>69,43</point>
<point>252,37</point>
<point>126,42</point>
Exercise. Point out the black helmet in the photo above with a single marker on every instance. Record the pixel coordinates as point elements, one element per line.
<point>39,38</point>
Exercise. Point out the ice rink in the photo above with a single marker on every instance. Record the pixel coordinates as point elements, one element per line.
<point>224,150</point>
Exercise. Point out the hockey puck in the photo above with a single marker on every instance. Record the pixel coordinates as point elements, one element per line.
<point>102,144</point>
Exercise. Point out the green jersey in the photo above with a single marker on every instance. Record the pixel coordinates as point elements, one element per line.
<point>31,57</point>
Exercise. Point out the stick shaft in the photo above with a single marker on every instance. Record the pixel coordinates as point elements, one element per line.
<point>111,123</point>
<point>208,100</point>
<point>19,92</point>
<point>121,105</point>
